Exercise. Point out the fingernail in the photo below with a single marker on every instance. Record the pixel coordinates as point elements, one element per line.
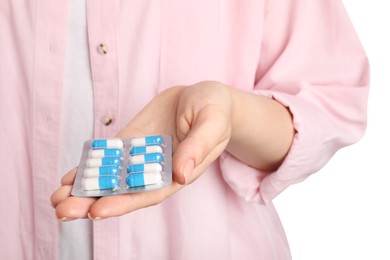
<point>91,218</point>
<point>188,169</point>
<point>65,219</point>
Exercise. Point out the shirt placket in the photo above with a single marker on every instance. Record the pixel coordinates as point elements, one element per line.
<point>101,22</point>
<point>104,66</point>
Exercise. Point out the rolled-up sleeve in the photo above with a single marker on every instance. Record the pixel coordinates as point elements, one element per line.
<point>313,63</point>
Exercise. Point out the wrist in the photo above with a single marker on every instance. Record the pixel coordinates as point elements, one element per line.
<point>262,130</point>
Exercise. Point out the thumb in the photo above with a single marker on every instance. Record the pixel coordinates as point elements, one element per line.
<point>205,141</point>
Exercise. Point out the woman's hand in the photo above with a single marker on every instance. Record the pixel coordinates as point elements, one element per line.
<point>199,119</point>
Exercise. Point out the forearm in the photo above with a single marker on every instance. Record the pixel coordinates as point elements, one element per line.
<point>262,130</point>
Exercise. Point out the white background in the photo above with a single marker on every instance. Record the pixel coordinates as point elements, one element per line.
<point>343,211</point>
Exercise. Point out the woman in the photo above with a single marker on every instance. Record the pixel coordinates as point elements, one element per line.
<point>257,96</point>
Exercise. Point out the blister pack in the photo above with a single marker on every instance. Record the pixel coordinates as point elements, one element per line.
<point>119,166</point>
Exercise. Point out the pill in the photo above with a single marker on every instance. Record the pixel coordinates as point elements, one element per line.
<point>146,158</point>
<point>145,149</point>
<point>148,140</point>
<point>143,168</point>
<point>97,162</point>
<point>140,179</point>
<point>105,153</point>
<point>107,143</point>
<point>102,170</point>
<point>99,183</point>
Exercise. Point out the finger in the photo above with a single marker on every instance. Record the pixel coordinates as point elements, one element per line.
<point>74,208</point>
<point>121,204</point>
<point>68,178</point>
<point>207,138</point>
<point>60,194</point>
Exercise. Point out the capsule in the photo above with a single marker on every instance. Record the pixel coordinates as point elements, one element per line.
<point>102,170</point>
<point>99,183</point>
<point>145,168</point>
<point>105,161</point>
<point>148,140</point>
<point>105,153</point>
<point>140,179</point>
<point>146,158</point>
<point>145,149</point>
<point>107,143</point>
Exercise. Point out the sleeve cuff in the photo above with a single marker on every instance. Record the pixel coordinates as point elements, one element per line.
<point>312,147</point>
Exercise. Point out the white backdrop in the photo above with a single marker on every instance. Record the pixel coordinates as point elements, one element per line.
<point>343,211</point>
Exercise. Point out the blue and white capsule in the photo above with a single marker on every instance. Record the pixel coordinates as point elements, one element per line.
<point>146,158</point>
<point>145,149</point>
<point>115,152</point>
<point>105,161</point>
<point>102,170</point>
<point>140,179</point>
<point>100,183</point>
<point>146,141</point>
<point>145,168</point>
<point>107,143</point>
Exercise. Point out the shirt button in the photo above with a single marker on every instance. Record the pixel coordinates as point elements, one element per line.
<point>102,49</point>
<point>106,120</point>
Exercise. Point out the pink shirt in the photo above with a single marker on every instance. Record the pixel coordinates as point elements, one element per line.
<point>305,54</point>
